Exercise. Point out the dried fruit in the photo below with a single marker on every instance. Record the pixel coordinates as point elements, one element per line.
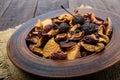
<point>90,39</point>
<point>73,52</point>
<point>89,28</point>
<point>63,27</point>
<point>50,47</point>
<point>59,55</point>
<point>69,36</point>
<point>93,48</point>
<point>66,44</point>
<point>78,19</point>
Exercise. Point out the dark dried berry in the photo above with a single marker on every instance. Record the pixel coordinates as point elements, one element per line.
<point>78,19</point>
<point>89,28</point>
<point>59,55</point>
<point>90,40</point>
<point>63,27</point>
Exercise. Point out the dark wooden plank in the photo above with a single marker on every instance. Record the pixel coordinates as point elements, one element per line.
<point>18,12</point>
<point>50,5</point>
<point>4,4</point>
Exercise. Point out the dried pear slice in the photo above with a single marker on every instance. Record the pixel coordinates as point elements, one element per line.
<point>73,52</point>
<point>39,24</point>
<point>50,47</point>
<point>93,48</point>
<point>103,38</point>
<point>109,27</point>
<point>47,22</point>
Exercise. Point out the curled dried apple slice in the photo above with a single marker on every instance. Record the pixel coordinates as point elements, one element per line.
<point>93,48</point>
<point>103,38</point>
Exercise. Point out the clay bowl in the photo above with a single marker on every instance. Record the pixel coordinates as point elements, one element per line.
<point>23,58</point>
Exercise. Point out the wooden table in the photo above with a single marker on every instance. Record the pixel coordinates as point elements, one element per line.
<point>15,12</point>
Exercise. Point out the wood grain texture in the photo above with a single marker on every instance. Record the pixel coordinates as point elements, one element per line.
<point>18,12</point>
<point>4,5</point>
<point>50,5</point>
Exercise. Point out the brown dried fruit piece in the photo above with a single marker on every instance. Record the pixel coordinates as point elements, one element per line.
<point>109,27</point>
<point>93,48</point>
<point>94,20</point>
<point>47,22</point>
<point>103,38</point>
<point>38,27</point>
<point>50,47</point>
<point>73,52</point>
<point>90,39</point>
<point>66,44</point>
<point>59,55</point>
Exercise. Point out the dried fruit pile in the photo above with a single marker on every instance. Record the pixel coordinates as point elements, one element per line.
<point>69,36</point>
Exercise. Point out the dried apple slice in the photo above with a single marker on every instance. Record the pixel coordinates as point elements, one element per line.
<point>50,47</point>
<point>73,52</point>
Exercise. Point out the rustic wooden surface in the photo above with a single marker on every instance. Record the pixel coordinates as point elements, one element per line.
<point>15,12</point>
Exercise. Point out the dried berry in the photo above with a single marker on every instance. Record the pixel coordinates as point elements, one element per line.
<point>59,55</point>
<point>89,28</point>
<point>63,27</point>
<point>78,19</point>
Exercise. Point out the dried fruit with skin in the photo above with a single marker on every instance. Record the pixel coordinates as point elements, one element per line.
<point>76,35</point>
<point>64,44</point>
<point>90,39</point>
<point>75,27</point>
<point>50,47</point>
<point>47,22</point>
<point>65,17</point>
<point>94,20</point>
<point>103,38</point>
<point>73,52</point>
<point>53,32</point>
<point>38,27</point>
<point>93,48</point>
<point>61,37</point>
<point>59,55</point>
<point>109,27</point>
